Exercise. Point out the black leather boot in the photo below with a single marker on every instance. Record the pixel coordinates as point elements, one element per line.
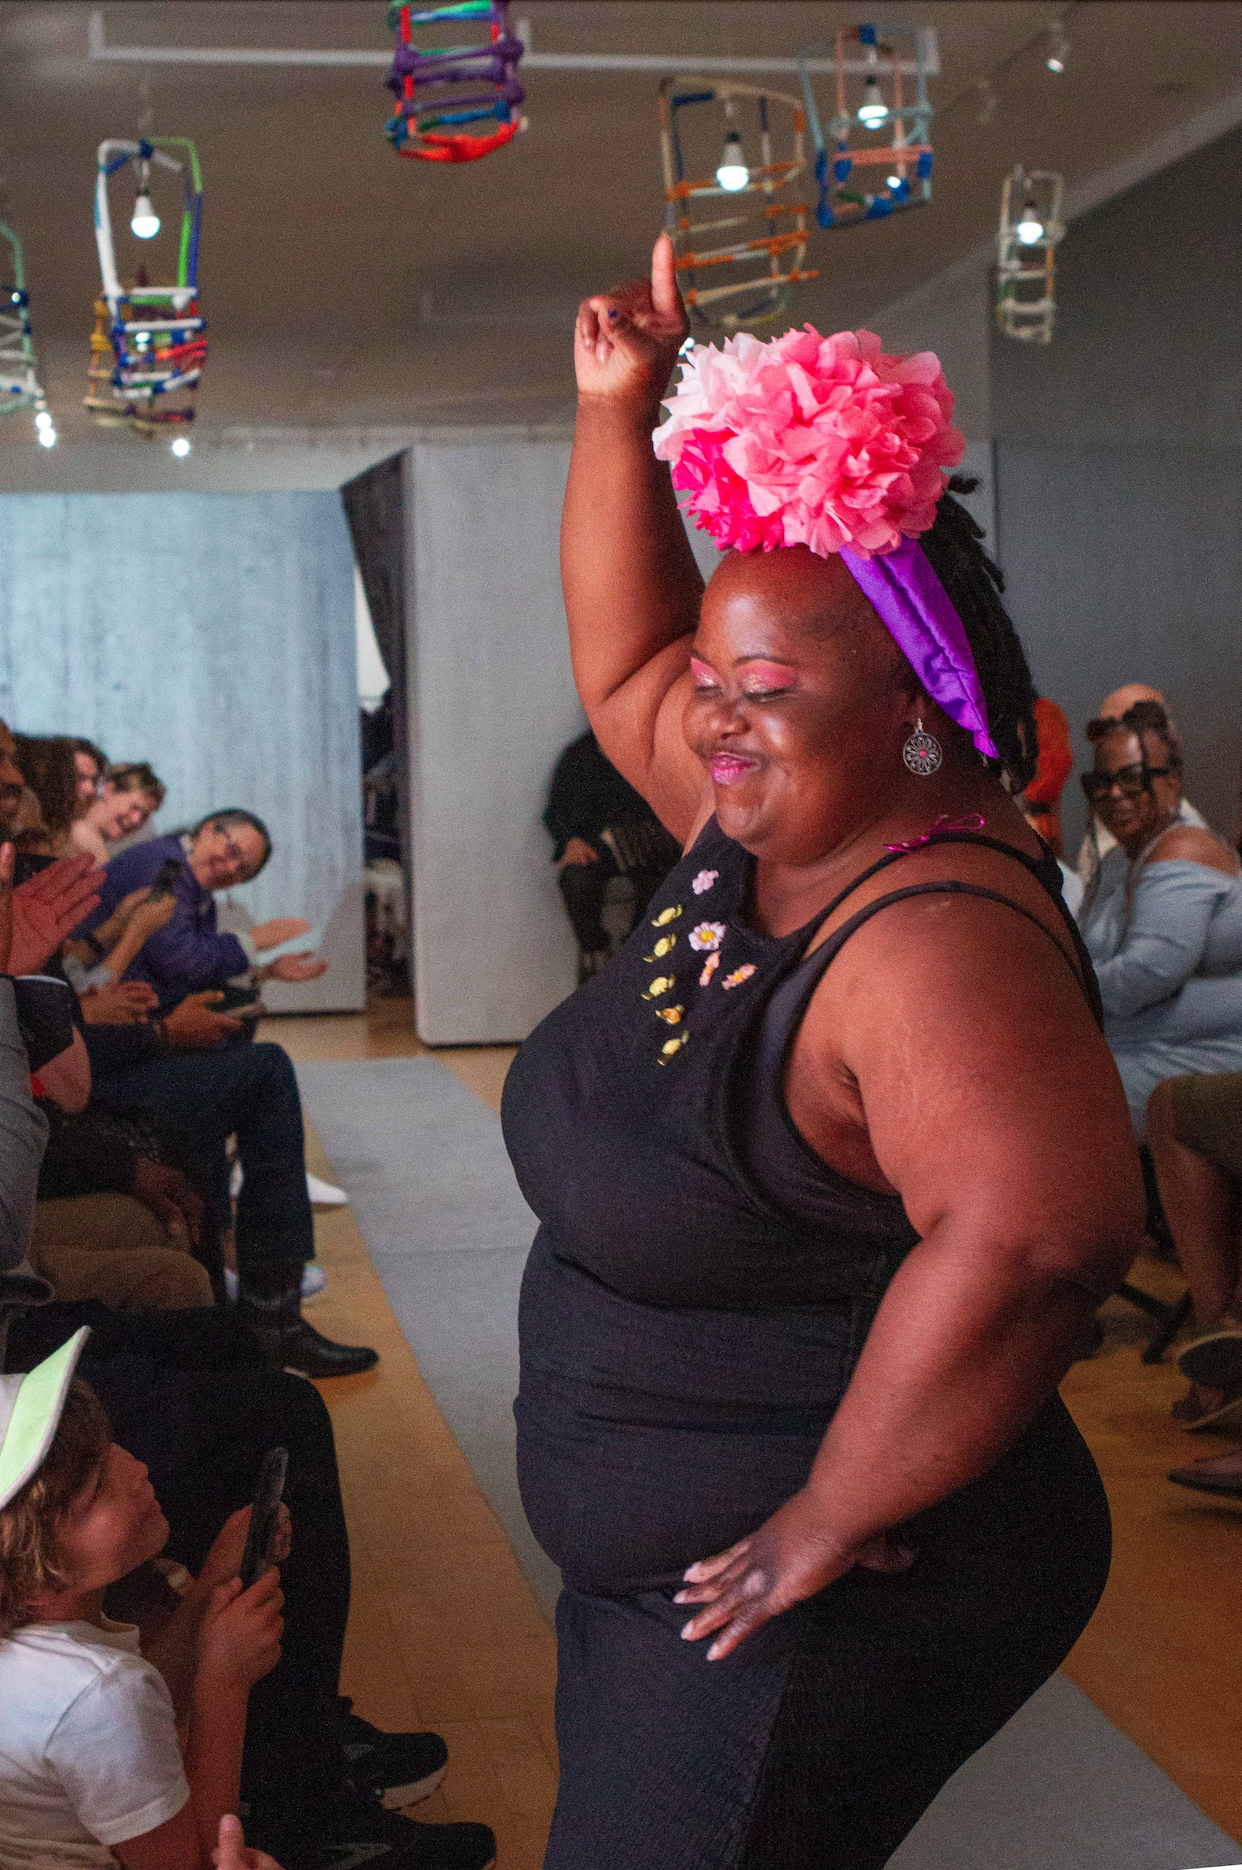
<point>270,1301</point>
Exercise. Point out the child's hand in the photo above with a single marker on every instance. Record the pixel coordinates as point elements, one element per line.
<point>231,1852</point>
<point>224,1559</point>
<point>239,1642</point>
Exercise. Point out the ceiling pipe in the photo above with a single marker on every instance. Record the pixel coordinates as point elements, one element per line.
<point>99,51</point>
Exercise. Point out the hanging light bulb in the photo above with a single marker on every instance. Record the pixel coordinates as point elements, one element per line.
<point>181,447</point>
<point>733,173</point>
<point>1030,229</point>
<point>873,110</point>
<point>1058,47</point>
<point>144,221</point>
<point>43,419</point>
<point>893,181</point>
<point>47,438</point>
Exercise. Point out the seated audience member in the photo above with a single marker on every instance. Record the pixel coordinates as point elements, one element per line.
<point>1194,1131</point>
<point>189,953</point>
<point>130,795</point>
<point>186,1398</point>
<point>90,764</point>
<point>1041,802</point>
<point>1163,918</point>
<point>601,828</point>
<point>1098,840</point>
<point>91,1771</point>
<point>47,766</point>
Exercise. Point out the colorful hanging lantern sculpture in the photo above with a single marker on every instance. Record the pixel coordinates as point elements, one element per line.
<point>880,159</point>
<point>19,372</point>
<point>148,347</point>
<point>1030,227</point>
<point>767,233</point>
<point>430,111</point>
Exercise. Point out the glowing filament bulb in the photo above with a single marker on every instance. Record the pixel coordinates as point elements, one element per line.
<point>733,173</point>
<point>873,110</point>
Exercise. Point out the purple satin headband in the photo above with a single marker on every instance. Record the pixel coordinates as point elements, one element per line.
<point>915,609</point>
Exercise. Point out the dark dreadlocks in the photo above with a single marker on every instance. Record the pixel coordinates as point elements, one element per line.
<point>974,585</point>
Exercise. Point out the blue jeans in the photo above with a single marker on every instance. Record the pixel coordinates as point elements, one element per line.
<point>249,1091</point>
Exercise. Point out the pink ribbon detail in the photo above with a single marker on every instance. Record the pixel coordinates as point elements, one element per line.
<point>971,822</point>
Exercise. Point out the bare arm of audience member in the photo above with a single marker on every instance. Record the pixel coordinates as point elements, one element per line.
<point>144,920</point>
<point>48,907</point>
<point>111,930</point>
<point>292,967</point>
<point>280,928</point>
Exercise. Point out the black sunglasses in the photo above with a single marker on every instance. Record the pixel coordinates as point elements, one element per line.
<point>1131,781</point>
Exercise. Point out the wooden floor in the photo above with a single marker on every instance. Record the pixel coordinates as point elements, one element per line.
<point>444,1632</point>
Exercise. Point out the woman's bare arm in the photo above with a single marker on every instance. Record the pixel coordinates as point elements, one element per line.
<point>631,585</point>
<point>995,1110</point>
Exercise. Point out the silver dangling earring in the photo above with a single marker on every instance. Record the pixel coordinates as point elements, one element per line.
<point>922,752</point>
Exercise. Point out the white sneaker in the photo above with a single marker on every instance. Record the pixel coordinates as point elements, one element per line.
<point>314,1279</point>
<point>324,1195</point>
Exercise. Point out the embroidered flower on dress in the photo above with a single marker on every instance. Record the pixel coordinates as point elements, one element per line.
<point>664,946</point>
<point>704,881</point>
<point>672,1047</point>
<point>709,968</point>
<point>707,935</point>
<point>738,975</point>
<point>671,1015</point>
<point>666,915</point>
<point>663,983</point>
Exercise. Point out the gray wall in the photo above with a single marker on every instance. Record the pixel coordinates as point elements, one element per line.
<point>212,634</point>
<point>492,703</point>
<point>1119,468</point>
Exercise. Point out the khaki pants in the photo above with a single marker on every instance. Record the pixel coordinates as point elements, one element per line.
<point>110,1248</point>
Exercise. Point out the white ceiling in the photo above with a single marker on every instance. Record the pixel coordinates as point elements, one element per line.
<point>348,290</point>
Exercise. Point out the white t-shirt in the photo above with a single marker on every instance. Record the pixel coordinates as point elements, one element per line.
<point>88,1746</point>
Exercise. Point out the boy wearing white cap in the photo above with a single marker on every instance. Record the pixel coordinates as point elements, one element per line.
<point>90,1767</point>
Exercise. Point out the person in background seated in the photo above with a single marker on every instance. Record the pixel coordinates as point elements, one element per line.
<point>47,765</point>
<point>1041,802</point>
<point>189,953</point>
<point>1098,840</point>
<point>601,828</point>
<point>91,1772</point>
<point>90,765</point>
<point>130,795</point>
<point>1163,919</point>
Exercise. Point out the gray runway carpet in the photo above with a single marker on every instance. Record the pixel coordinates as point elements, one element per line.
<point>432,1191</point>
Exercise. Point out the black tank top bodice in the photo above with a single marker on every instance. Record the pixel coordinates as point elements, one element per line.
<point>646,1116</point>
<point>698,1270</point>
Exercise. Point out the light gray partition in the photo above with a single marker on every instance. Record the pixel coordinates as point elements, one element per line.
<point>492,703</point>
<point>213,635</point>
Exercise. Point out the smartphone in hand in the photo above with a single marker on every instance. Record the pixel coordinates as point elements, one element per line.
<point>264,1517</point>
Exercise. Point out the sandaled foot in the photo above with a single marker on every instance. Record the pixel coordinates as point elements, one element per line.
<point>1214,1359</point>
<point>1204,1405</point>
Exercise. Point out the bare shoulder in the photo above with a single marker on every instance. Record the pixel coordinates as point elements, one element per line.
<point>1188,844</point>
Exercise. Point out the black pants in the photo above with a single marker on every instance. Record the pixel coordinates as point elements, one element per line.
<point>249,1091</point>
<point>185,1396</point>
<point>584,887</point>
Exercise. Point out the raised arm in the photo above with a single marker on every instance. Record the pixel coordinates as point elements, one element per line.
<point>631,585</point>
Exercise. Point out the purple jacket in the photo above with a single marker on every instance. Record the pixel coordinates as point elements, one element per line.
<point>189,953</point>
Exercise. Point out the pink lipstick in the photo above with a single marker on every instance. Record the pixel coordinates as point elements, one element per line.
<point>728,768</point>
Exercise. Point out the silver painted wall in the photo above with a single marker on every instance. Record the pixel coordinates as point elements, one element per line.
<point>213,635</point>
<point>492,704</point>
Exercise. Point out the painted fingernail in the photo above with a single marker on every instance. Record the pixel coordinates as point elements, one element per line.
<point>686,1631</point>
<point>611,313</point>
<point>682,1597</point>
<point>714,1653</point>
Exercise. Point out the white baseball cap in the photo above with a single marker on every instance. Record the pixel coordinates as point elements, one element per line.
<point>30,1410</point>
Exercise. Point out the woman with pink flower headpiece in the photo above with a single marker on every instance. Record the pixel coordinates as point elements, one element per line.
<point>831,1162</point>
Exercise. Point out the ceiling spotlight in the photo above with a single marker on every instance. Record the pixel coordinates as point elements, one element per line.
<point>733,173</point>
<point>43,419</point>
<point>873,110</point>
<point>1058,47</point>
<point>47,437</point>
<point>181,447</point>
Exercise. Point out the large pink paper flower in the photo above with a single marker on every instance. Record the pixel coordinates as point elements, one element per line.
<point>806,440</point>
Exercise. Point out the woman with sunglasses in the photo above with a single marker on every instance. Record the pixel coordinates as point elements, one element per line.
<point>1163,919</point>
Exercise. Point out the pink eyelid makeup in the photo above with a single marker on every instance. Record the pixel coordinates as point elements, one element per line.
<point>755,675</point>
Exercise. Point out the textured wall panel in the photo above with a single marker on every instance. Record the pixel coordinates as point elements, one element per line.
<point>212,634</point>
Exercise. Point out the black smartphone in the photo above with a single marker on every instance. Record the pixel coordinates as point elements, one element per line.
<point>240,1002</point>
<point>165,883</point>
<point>264,1517</point>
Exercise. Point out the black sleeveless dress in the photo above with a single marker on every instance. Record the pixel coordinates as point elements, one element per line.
<point>695,1301</point>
